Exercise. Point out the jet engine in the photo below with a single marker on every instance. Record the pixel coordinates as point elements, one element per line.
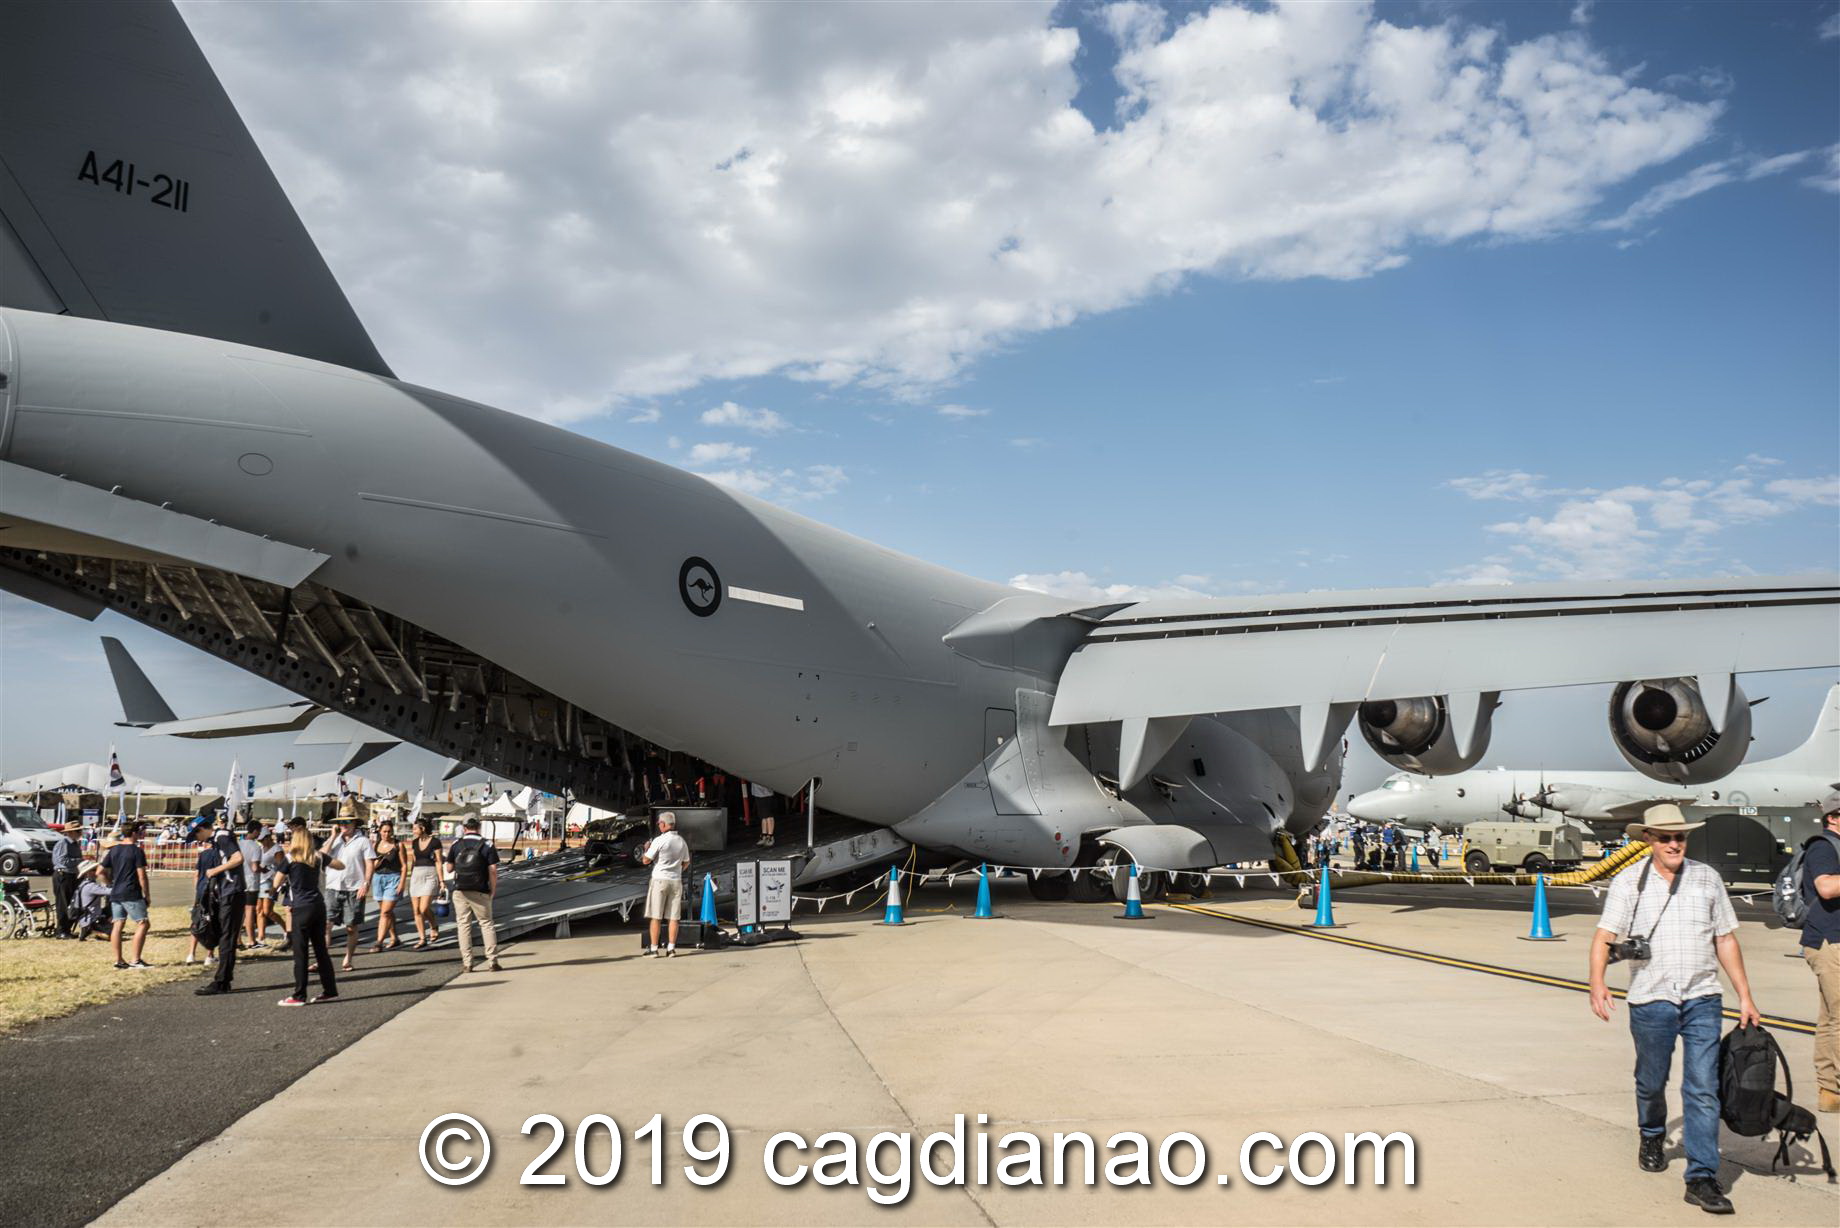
<point>1429,734</point>
<point>1666,731</point>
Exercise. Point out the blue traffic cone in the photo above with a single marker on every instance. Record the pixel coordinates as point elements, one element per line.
<point>1542,930</point>
<point>1133,900</point>
<point>1415,859</point>
<point>708,916</point>
<point>1325,909</point>
<point>983,912</point>
<point>892,915</point>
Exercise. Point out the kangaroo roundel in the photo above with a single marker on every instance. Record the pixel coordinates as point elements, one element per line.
<point>699,586</point>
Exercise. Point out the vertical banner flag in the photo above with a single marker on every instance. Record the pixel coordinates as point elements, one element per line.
<point>233,792</point>
<point>344,792</point>
<point>415,811</point>
<point>747,893</point>
<point>775,892</point>
<point>118,785</point>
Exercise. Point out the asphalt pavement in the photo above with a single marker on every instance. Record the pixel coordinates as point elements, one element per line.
<point>95,1103</point>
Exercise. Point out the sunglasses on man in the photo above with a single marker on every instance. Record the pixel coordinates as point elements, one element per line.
<point>1675,837</point>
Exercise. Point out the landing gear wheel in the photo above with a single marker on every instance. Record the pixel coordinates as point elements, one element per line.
<point>1476,862</point>
<point>1536,864</point>
<point>1114,869</point>
<point>1091,886</point>
<point>1050,885</point>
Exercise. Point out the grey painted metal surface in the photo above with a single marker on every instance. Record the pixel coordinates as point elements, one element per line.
<point>663,610</point>
<point>134,193</point>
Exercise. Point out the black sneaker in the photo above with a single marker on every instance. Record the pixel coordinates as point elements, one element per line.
<point>1650,1157</point>
<point>209,988</point>
<point>1704,1193</point>
<point>120,966</point>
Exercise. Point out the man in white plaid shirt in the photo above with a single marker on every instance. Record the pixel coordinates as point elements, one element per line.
<point>1682,911</point>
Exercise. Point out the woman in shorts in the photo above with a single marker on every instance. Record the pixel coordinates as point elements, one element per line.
<point>386,885</point>
<point>424,882</point>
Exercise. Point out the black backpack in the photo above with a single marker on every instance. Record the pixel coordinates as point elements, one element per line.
<point>1749,1102</point>
<point>470,864</point>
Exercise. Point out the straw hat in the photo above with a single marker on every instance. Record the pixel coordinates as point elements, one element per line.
<point>87,868</point>
<point>1663,817</point>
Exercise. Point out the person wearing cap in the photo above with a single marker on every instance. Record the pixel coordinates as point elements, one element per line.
<point>347,885</point>
<point>473,865</point>
<point>221,888</point>
<point>669,856</point>
<point>1680,910</point>
<point>1821,946</point>
<point>92,907</point>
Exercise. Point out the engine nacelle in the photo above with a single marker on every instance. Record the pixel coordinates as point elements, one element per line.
<point>1663,728</point>
<point>1421,735</point>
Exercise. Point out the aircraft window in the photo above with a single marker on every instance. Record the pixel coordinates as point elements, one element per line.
<point>1397,784</point>
<point>1460,793</point>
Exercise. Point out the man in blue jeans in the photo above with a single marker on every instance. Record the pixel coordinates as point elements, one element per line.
<point>1675,915</point>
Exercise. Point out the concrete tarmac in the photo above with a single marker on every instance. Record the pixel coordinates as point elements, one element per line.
<point>1057,1018</point>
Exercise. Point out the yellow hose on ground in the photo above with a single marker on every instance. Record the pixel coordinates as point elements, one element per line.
<point>1610,866</point>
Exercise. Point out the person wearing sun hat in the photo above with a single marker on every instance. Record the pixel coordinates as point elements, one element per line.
<point>1673,921</point>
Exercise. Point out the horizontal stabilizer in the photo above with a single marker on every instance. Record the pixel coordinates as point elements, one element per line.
<point>141,705</point>
<point>282,718</point>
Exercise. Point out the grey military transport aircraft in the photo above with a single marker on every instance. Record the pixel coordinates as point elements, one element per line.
<point>197,432</point>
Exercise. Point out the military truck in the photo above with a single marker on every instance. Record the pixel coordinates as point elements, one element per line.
<point>1531,845</point>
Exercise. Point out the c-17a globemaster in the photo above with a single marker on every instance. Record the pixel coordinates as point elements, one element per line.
<point>196,432</point>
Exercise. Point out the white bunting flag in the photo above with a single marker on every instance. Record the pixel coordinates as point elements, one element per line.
<point>1239,880</point>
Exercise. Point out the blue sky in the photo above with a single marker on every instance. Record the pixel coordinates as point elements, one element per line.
<point>1641,380</point>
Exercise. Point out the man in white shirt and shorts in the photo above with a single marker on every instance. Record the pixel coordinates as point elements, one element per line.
<point>1673,922</point>
<point>669,857</point>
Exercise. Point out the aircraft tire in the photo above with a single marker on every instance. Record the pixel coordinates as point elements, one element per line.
<point>1050,885</point>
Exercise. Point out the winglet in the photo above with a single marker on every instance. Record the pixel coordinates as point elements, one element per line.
<point>141,705</point>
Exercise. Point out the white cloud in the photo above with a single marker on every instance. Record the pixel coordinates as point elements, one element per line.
<point>645,416</point>
<point>1026,442</point>
<point>1079,586</point>
<point>1633,530</point>
<point>760,421</point>
<point>719,454</point>
<point>1583,11</point>
<point>1502,484</point>
<point>782,485</point>
<point>1828,177</point>
<point>1664,196</point>
<point>557,208</point>
<point>961,411</point>
<point>1830,28</point>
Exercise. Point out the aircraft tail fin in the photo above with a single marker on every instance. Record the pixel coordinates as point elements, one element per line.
<point>141,705</point>
<point>131,191</point>
<point>1820,754</point>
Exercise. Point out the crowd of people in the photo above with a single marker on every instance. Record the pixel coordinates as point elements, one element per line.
<point>1372,846</point>
<point>251,879</point>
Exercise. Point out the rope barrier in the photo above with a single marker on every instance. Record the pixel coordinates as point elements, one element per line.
<point>1589,877</point>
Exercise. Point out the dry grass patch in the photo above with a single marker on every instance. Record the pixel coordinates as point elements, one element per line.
<point>41,978</point>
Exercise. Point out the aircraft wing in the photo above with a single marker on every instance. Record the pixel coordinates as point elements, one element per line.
<point>1156,661</point>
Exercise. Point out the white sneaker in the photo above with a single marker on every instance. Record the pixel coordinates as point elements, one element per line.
<point>670,952</point>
